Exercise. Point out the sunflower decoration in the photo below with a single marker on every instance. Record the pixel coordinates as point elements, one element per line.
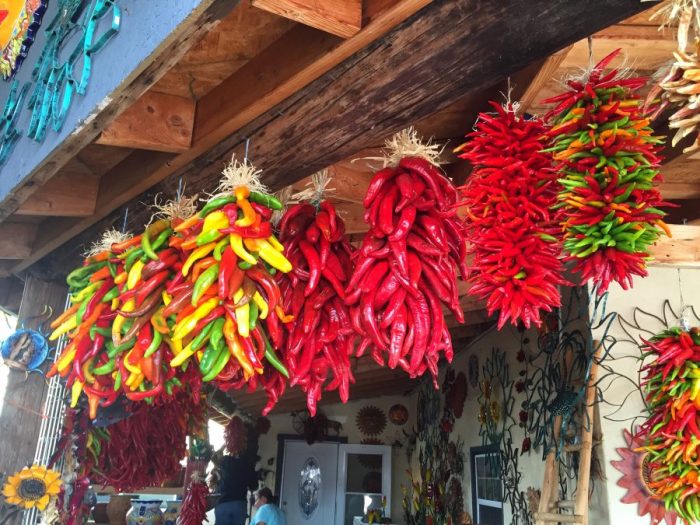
<point>32,487</point>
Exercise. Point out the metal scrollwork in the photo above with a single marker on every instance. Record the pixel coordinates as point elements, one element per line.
<point>9,134</point>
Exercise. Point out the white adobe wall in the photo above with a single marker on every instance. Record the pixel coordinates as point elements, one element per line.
<point>649,295</point>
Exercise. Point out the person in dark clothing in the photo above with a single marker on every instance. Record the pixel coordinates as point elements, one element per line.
<point>237,476</point>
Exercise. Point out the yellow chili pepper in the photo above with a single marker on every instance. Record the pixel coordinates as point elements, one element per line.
<point>200,252</point>
<point>283,317</point>
<point>65,327</point>
<point>166,298</point>
<point>238,249</point>
<point>268,254</point>
<point>243,320</point>
<point>89,378</point>
<point>216,220</point>
<point>82,294</point>
<point>235,348</point>
<point>120,278</point>
<point>248,218</point>
<point>134,369</point>
<point>183,356</point>
<point>75,392</point>
<point>262,304</point>
<point>119,321</point>
<point>186,325</point>
<point>134,275</point>
<point>175,346</point>
<point>275,243</point>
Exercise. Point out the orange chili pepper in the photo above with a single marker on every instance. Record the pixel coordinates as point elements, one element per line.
<point>121,246</point>
<point>202,265</point>
<point>65,315</point>
<point>99,275</point>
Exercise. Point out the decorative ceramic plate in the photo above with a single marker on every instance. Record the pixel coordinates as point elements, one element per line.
<point>371,420</point>
<point>474,371</point>
<point>19,22</point>
<point>398,415</point>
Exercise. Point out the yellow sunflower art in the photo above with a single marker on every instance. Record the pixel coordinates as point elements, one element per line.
<point>32,487</point>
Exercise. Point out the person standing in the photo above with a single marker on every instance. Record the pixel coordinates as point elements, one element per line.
<point>236,476</point>
<point>266,511</point>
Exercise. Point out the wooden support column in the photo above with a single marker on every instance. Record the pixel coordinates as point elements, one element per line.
<point>21,414</point>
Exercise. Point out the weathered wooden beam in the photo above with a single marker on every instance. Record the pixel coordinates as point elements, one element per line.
<point>156,121</point>
<point>547,71</point>
<point>10,294</point>
<point>681,250</point>
<point>16,239</point>
<point>71,193</point>
<point>342,18</point>
<point>442,53</point>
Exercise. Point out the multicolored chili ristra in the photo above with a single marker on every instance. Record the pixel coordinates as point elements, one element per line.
<point>607,159</point>
<point>320,339</point>
<point>512,232</point>
<point>671,432</point>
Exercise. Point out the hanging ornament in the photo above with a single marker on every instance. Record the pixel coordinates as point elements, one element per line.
<point>511,228</point>
<point>608,164</point>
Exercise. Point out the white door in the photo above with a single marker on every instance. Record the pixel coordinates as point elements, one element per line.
<point>309,476</point>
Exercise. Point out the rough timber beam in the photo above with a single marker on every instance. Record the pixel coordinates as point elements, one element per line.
<point>342,18</point>
<point>418,68</point>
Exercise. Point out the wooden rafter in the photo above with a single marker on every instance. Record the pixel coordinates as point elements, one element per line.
<point>342,18</point>
<point>681,250</point>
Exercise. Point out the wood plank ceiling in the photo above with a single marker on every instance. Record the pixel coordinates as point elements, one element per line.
<point>236,82</point>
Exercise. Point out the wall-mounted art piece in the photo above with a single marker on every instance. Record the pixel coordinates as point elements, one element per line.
<point>371,420</point>
<point>398,415</point>
<point>19,23</point>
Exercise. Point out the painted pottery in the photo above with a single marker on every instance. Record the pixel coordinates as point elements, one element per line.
<point>145,512</point>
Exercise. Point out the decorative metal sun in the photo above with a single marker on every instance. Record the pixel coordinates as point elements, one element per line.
<point>32,487</point>
<point>636,473</point>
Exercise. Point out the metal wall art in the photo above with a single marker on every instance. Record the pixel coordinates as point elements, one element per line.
<point>62,70</point>
<point>398,415</point>
<point>19,22</point>
<point>497,421</point>
<point>371,420</point>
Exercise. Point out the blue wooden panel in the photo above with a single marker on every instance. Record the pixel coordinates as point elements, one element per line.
<point>142,26</point>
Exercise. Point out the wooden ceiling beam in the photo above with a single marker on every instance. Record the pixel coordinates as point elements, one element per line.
<point>156,121</point>
<point>342,18</point>
<point>71,193</point>
<point>681,250</point>
<point>16,239</point>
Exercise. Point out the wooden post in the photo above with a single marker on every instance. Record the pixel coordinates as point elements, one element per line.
<point>21,414</point>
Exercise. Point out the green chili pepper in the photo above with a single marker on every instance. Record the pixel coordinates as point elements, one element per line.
<point>161,239</point>
<point>111,295</point>
<point>220,363</point>
<point>204,281</point>
<point>134,254</point>
<point>217,332</point>
<point>253,312</point>
<point>243,265</point>
<point>155,344</point>
<point>112,268</point>
<point>202,336</point>
<point>272,357</point>
<point>106,368</point>
<point>118,381</point>
<point>79,275</point>
<point>215,204</point>
<point>211,356</point>
<point>220,247</point>
<point>83,307</point>
<point>266,200</point>
<point>210,236</point>
<point>113,350</point>
<point>106,332</point>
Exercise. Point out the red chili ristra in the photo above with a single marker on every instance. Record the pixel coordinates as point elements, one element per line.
<point>517,264</point>
<point>407,267</point>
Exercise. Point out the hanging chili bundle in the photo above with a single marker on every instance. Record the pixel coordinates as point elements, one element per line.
<point>607,159</point>
<point>228,305</point>
<point>406,268</point>
<point>321,339</point>
<point>511,230</point>
<point>146,448</point>
<point>194,505</point>
<point>672,431</point>
<point>236,436</point>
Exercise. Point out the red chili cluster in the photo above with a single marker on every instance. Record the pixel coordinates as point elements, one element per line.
<point>146,448</point>
<point>194,506</point>
<point>321,338</point>
<point>407,266</point>
<point>511,229</point>
<point>236,436</point>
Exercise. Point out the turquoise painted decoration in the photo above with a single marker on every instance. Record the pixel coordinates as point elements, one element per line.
<point>8,127</point>
<point>61,73</point>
